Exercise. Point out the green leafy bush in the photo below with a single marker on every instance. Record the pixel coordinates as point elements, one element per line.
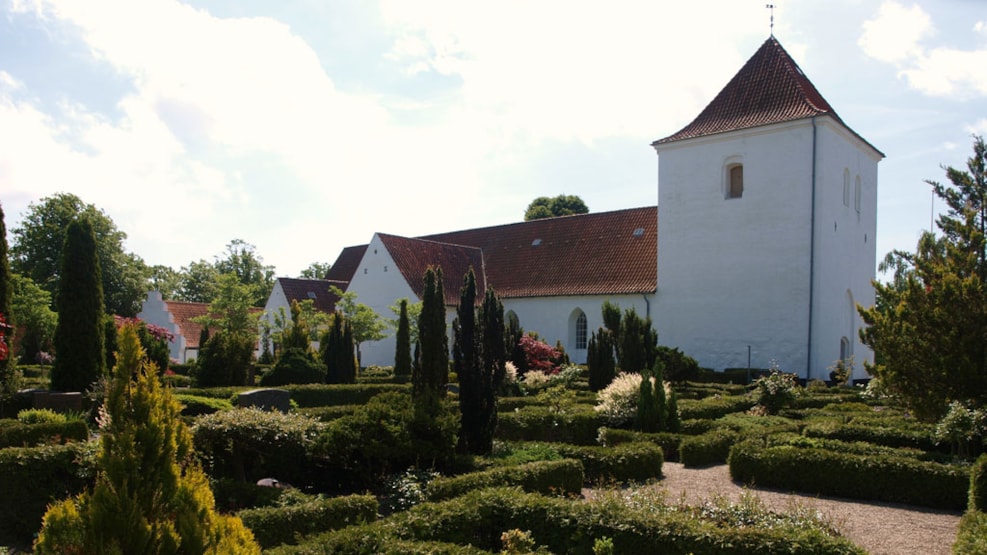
<point>890,435</point>
<point>294,366</point>
<point>978,485</point>
<point>627,462</point>
<point>329,413</point>
<point>33,477</point>
<point>775,391</point>
<point>194,405</point>
<point>273,526</point>
<point>669,442</point>
<point>713,447</point>
<point>41,416</point>
<point>18,434</point>
<point>324,395</point>
<point>578,427</point>
<point>713,407</point>
<point>248,444</point>
<point>825,472</point>
<point>971,538</point>
<point>561,477</point>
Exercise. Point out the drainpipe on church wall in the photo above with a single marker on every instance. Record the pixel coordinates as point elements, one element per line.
<point>812,256</point>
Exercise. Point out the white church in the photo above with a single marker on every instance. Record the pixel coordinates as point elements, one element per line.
<point>761,246</point>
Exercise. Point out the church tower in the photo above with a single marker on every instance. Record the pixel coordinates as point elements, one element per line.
<point>767,214</point>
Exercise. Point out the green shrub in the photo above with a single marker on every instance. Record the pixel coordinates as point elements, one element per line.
<point>294,366</point>
<point>713,407</point>
<point>194,405</point>
<point>33,477</point>
<point>971,538</point>
<point>372,538</point>
<point>755,426</point>
<point>232,495</point>
<point>273,526</point>
<point>561,477</point>
<point>825,472</point>
<point>627,462</point>
<point>892,436</point>
<point>669,442</point>
<point>41,416</point>
<point>324,395</point>
<point>978,485</point>
<point>248,444</point>
<point>713,447</point>
<point>329,413</point>
<point>17,434</point>
<point>578,427</point>
<point>176,380</point>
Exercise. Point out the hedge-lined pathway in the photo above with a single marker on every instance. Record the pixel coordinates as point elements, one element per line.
<point>880,528</point>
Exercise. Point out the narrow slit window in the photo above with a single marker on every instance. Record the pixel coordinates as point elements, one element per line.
<point>736,185</point>
<point>856,195</point>
<point>581,331</point>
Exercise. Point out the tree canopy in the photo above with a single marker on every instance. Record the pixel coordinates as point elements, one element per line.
<point>36,251</point>
<point>928,327</point>
<point>550,207</point>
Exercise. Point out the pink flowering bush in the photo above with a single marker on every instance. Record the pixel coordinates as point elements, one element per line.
<point>3,339</point>
<point>539,356</point>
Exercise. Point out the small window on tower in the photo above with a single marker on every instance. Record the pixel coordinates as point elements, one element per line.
<point>735,188</point>
<point>856,195</point>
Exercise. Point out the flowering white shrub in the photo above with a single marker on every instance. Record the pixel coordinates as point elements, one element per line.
<point>618,401</point>
<point>534,380</point>
<point>566,376</point>
<point>510,373</point>
<point>775,391</point>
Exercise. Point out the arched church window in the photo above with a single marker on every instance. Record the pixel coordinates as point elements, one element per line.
<point>581,330</point>
<point>846,187</point>
<point>844,348</point>
<point>735,173</point>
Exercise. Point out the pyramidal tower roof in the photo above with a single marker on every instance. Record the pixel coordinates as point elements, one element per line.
<point>770,88</point>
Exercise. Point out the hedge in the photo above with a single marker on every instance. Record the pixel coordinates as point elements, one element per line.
<point>273,526</point>
<point>563,476</point>
<point>541,424</point>
<point>18,434</point>
<point>372,538</point>
<point>713,447</point>
<point>978,485</point>
<point>881,435</point>
<point>330,413</point>
<point>971,538</point>
<point>564,526</point>
<point>714,407</point>
<point>627,462</point>
<point>33,477</point>
<point>196,405</point>
<point>669,442</point>
<point>871,477</point>
<point>324,395</point>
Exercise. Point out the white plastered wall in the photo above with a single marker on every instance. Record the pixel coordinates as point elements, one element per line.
<point>154,311</point>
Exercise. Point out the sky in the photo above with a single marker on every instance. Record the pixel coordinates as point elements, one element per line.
<point>305,126</point>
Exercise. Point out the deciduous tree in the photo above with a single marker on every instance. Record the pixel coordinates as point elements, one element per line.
<point>550,207</point>
<point>365,323</point>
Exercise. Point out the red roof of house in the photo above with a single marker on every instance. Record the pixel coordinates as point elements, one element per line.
<point>316,290</point>
<point>770,88</point>
<point>414,256</point>
<point>605,253</point>
<point>346,264</point>
<point>183,313</point>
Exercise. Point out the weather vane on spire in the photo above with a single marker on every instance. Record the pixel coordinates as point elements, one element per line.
<point>772,8</point>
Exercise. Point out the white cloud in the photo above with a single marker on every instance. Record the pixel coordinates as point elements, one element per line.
<point>898,35</point>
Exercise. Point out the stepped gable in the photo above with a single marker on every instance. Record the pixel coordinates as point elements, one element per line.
<point>770,88</point>
<point>605,253</point>
<point>414,256</point>
<point>182,314</point>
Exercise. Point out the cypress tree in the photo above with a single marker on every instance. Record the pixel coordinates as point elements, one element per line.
<point>150,496</point>
<point>637,344</point>
<point>402,350</point>
<point>493,360</point>
<point>661,402</point>
<point>673,423</point>
<point>337,351</point>
<point>600,359</point>
<point>434,343</point>
<point>513,340</point>
<point>79,356</point>
<point>647,409</point>
<point>475,386</point>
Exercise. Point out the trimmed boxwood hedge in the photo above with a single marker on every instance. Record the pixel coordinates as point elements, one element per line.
<point>563,477</point>
<point>330,413</point>
<point>273,526</point>
<point>18,434</point>
<point>578,427</point>
<point>627,462</point>
<point>373,538</point>
<point>564,526</point>
<point>971,538</point>
<point>714,407</point>
<point>669,442</point>
<point>879,434</point>
<point>325,395</point>
<point>713,447</point>
<point>870,477</point>
<point>33,477</point>
<point>978,485</point>
<point>196,405</point>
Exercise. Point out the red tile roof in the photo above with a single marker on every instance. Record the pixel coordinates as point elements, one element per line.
<point>183,313</point>
<point>605,253</point>
<point>770,88</point>
<point>316,290</point>
<point>346,264</point>
<point>414,256</point>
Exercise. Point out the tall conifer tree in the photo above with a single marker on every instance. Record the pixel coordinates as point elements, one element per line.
<point>79,356</point>
<point>402,349</point>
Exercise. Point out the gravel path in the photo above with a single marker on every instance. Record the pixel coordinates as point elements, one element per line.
<point>880,528</point>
